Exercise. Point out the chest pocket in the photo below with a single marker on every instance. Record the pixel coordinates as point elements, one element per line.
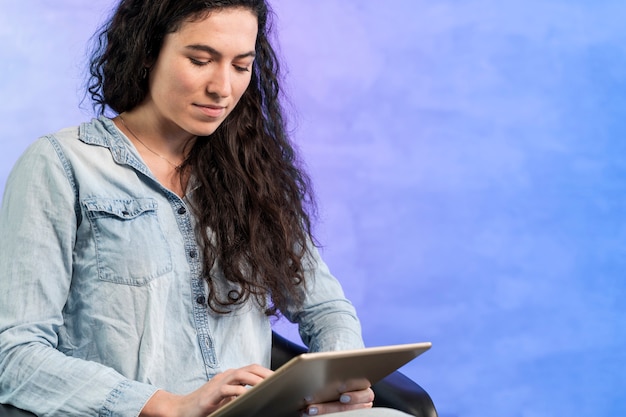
<point>130,245</point>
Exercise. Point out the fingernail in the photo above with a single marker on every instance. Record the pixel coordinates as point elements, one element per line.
<point>312,411</point>
<point>344,399</point>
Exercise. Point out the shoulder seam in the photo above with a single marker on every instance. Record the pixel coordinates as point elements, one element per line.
<point>68,174</point>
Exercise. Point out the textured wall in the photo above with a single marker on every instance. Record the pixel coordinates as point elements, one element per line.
<point>469,161</point>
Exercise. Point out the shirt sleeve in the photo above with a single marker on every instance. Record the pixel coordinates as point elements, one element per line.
<point>327,320</point>
<point>38,221</point>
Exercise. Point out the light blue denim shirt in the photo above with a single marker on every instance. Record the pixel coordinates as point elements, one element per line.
<point>102,301</point>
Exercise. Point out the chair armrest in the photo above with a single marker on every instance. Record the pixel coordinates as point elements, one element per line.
<point>395,391</point>
<point>10,411</point>
<point>401,393</point>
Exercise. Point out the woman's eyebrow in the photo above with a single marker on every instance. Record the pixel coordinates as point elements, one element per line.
<point>216,53</point>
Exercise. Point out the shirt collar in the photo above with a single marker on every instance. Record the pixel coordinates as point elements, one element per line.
<point>103,132</point>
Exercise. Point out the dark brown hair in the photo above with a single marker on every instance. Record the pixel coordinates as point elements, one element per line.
<point>252,194</point>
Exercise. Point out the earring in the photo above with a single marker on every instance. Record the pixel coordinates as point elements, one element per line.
<point>144,73</point>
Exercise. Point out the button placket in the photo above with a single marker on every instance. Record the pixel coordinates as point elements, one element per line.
<point>199,299</point>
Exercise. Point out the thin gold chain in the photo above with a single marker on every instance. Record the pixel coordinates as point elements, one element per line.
<point>146,146</point>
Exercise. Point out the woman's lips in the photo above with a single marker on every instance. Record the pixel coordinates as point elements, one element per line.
<point>212,110</point>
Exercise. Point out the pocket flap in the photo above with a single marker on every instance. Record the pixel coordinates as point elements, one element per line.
<point>124,209</point>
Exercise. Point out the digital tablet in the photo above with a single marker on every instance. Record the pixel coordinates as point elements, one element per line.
<point>319,377</point>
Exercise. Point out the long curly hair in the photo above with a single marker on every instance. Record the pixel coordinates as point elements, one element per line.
<point>253,200</point>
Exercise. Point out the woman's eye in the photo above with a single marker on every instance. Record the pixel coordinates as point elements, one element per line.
<point>199,62</point>
<point>241,69</point>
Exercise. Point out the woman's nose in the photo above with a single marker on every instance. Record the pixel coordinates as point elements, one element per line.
<point>219,82</point>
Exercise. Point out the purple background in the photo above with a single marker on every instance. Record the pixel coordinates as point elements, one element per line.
<point>469,161</point>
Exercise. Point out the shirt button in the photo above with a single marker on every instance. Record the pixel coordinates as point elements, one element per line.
<point>193,254</point>
<point>200,300</point>
<point>182,211</point>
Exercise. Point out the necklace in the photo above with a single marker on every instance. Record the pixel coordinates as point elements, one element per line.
<point>147,147</point>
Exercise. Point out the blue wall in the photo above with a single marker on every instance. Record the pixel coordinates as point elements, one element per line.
<point>469,160</point>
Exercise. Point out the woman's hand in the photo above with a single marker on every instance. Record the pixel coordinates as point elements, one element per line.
<point>352,400</point>
<point>221,389</point>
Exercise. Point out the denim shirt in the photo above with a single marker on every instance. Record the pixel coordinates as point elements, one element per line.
<point>102,299</point>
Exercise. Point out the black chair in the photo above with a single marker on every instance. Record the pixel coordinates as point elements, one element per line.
<point>395,391</point>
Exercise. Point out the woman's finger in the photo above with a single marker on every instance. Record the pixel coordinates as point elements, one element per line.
<point>333,407</point>
<point>357,397</point>
<point>352,400</point>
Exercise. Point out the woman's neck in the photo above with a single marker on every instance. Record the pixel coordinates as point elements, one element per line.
<point>163,154</point>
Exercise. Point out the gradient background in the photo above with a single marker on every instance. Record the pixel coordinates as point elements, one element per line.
<point>469,161</point>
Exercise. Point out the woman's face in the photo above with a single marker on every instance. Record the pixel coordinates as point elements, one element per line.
<point>202,71</point>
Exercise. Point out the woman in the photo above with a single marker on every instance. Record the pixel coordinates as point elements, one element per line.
<point>143,255</point>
